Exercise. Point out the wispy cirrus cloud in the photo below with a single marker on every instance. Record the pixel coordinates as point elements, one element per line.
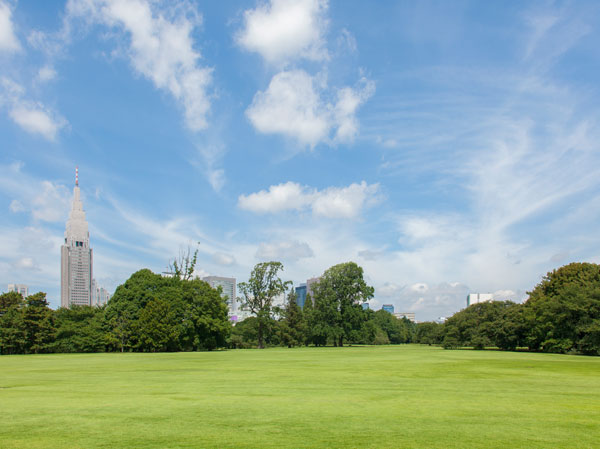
<point>284,250</point>
<point>160,48</point>
<point>45,200</point>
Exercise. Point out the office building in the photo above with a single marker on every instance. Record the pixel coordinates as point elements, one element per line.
<point>408,315</point>
<point>309,283</point>
<point>76,257</point>
<point>22,289</point>
<point>228,290</point>
<point>301,295</point>
<point>103,296</point>
<point>476,298</point>
<point>388,308</point>
<point>100,295</point>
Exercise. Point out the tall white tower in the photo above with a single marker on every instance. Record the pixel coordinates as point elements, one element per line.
<point>76,256</point>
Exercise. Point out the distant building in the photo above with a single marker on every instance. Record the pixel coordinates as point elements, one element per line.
<point>365,306</point>
<point>103,296</point>
<point>309,283</point>
<point>301,295</point>
<point>408,315</point>
<point>388,308</point>
<point>240,315</point>
<point>228,290</point>
<point>77,284</point>
<point>100,295</point>
<point>76,257</point>
<point>476,298</point>
<point>22,289</point>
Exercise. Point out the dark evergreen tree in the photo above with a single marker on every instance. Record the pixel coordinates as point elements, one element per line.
<point>292,328</point>
<point>12,331</point>
<point>38,324</point>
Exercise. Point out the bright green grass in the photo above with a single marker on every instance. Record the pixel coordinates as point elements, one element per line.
<point>394,396</point>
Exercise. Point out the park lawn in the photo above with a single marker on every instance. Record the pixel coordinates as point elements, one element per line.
<point>406,396</point>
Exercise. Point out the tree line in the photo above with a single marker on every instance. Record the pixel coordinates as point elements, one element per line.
<point>561,315</point>
<point>333,315</point>
<point>152,313</point>
<point>148,313</point>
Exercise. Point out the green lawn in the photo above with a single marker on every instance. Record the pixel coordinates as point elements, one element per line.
<point>389,396</point>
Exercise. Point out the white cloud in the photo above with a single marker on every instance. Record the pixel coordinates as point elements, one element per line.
<point>345,202</point>
<point>161,48</point>
<point>28,255</point>
<point>216,178</point>
<point>51,203</point>
<point>284,30</point>
<point>347,40</point>
<point>223,259</point>
<point>291,106</point>
<point>333,202</point>
<point>16,206</point>
<point>419,287</point>
<point>388,289</point>
<point>370,254</point>
<point>278,198</point>
<point>428,301</point>
<point>32,117</point>
<point>289,251</point>
<point>8,40</point>
<point>294,105</point>
<point>418,229</point>
<point>26,263</point>
<point>345,109</point>
<point>46,73</point>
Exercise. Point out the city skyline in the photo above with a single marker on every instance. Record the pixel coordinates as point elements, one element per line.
<point>452,151</point>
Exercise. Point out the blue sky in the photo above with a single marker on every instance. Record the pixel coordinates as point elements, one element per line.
<point>446,147</point>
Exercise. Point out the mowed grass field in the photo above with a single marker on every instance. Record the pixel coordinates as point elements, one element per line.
<point>378,397</point>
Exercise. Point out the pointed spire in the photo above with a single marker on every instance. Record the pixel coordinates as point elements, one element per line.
<point>76,175</point>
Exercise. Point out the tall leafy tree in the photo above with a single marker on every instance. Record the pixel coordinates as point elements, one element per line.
<point>563,310</point>
<point>158,327</point>
<point>338,298</point>
<point>397,330</point>
<point>475,326</point>
<point>428,333</point>
<point>207,325</point>
<point>38,324</point>
<point>150,312</point>
<point>79,329</point>
<point>263,286</point>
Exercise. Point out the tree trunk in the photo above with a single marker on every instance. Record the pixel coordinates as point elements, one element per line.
<point>341,341</point>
